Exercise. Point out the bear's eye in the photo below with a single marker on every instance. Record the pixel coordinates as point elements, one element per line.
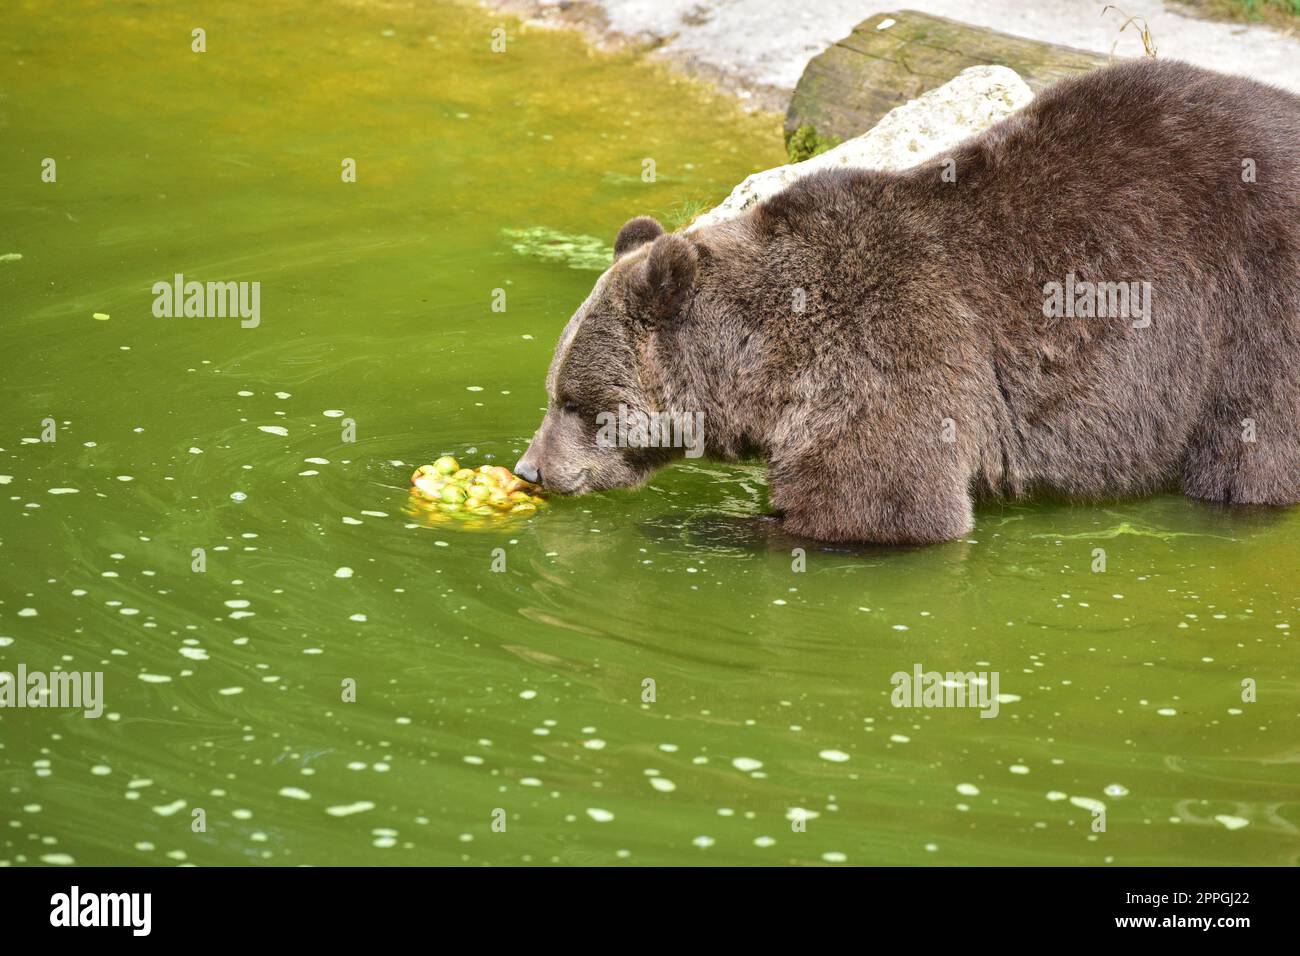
<point>569,408</point>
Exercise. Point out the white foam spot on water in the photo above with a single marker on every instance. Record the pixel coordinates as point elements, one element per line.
<point>1116,790</point>
<point>1056,795</point>
<point>359,618</point>
<point>230,691</point>
<point>375,514</point>
<point>237,496</point>
<point>1018,768</point>
<point>194,653</point>
<point>1088,803</point>
<point>834,756</point>
<point>5,479</point>
<point>347,519</point>
<point>746,764</point>
<point>703,842</point>
<point>317,461</point>
<point>346,810</point>
<point>1167,712</point>
<point>155,678</point>
<point>283,395</point>
<point>168,809</point>
<point>344,572</point>
<point>6,641</point>
<point>274,430</point>
<point>58,859</point>
<point>295,793</point>
<point>663,784</point>
<point>834,856</point>
<point>101,770</point>
<point>1232,823</point>
<point>236,602</point>
<point>332,413</point>
<point>968,790</point>
<point>599,815</point>
<point>594,744</point>
<point>63,491</point>
<point>28,612</point>
<point>900,738</point>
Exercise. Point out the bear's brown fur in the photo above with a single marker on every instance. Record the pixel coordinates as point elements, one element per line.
<point>884,340</point>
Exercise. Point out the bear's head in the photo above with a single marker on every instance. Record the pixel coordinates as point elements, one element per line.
<point>610,370</point>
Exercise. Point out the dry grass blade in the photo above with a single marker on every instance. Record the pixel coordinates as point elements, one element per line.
<point>1148,44</point>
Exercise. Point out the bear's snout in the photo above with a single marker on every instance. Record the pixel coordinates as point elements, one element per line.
<point>526,470</point>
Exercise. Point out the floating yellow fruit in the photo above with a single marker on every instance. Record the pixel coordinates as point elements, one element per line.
<point>429,487</point>
<point>479,495</point>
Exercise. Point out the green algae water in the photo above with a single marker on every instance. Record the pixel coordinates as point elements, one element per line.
<point>211,511</point>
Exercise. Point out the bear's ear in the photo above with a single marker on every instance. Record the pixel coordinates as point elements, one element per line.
<point>635,233</point>
<point>666,279</point>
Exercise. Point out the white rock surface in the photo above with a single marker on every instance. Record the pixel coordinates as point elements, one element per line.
<point>768,42</point>
<point>936,121</point>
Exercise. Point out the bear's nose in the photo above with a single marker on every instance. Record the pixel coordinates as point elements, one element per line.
<point>525,470</point>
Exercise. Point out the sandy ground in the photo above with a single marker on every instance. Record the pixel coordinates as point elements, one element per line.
<point>758,48</point>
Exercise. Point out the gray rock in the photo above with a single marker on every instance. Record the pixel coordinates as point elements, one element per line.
<point>918,130</point>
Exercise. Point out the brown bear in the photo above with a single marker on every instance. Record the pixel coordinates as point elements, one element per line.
<point>1099,297</point>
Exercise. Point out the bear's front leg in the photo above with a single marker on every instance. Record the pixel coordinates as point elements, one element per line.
<point>912,491</point>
